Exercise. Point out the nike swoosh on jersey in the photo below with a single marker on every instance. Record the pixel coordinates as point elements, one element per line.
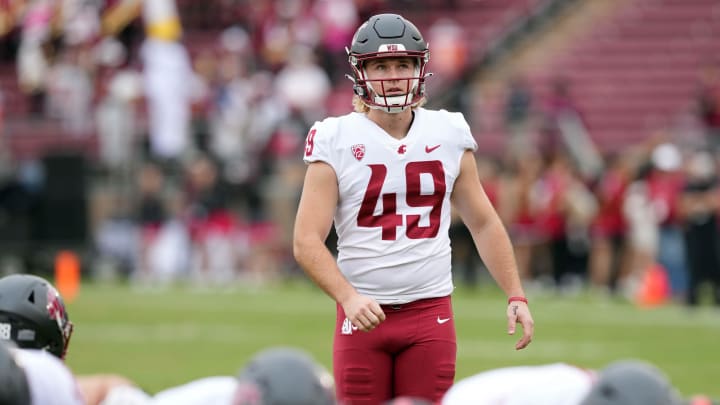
<point>429,149</point>
<point>441,320</point>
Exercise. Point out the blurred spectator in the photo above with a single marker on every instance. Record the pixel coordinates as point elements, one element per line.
<point>518,105</point>
<point>70,90</point>
<point>276,32</point>
<point>698,208</point>
<point>609,227</point>
<point>303,85</point>
<point>643,231</point>
<point>116,116</point>
<point>664,186</point>
<point>338,20</point>
<point>206,78</point>
<point>32,59</point>
<point>168,80</point>
<point>117,236</point>
<point>516,207</point>
<point>565,208</point>
<point>246,113</point>
<point>449,48</point>
<point>218,241</point>
<point>558,103</point>
<point>231,110</point>
<point>164,251</point>
<point>80,21</point>
<point>167,72</point>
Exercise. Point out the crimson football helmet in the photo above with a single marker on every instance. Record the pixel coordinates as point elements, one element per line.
<point>33,315</point>
<point>388,36</point>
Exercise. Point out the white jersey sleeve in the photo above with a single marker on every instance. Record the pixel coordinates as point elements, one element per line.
<point>552,384</point>
<point>50,381</point>
<point>461,126</point>
<point>393,211</point>
<point>210,390</point>
<point>319,141</point>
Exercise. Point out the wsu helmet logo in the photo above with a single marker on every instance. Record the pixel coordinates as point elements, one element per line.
<point>55,307</point>
<point>358,151</point>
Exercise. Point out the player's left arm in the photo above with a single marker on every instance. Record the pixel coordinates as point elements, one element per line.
<point>492,243</point>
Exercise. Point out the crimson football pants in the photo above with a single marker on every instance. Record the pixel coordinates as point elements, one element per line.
<point>411,353</point>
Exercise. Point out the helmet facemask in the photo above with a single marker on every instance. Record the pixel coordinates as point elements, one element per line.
<point>413,86</point>
<point>56,311</point>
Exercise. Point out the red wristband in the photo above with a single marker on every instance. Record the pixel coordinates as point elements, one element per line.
<point>517,298</point>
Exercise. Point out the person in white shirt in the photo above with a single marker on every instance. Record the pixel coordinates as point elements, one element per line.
<point>387,175</point>
<point>277,376</point>
<point>35,377</point>
<point>49,380</point>
<point>623,382</point>
<point>548,384</point>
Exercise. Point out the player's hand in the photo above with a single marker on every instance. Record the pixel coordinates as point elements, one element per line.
<point>518,312</point>
<point>364,312</point>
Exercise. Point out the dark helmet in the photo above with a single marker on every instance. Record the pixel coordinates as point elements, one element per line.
<point>632,382</point>
<point>284,376</point>
<point>385,36</point>
<point>14,389</point>
<point>33,315</point>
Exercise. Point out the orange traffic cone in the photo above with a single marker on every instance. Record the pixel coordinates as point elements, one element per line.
<point>654,287</point>
<point>67,274</point>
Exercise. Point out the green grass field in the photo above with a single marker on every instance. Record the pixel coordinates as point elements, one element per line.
<point>165,338</point>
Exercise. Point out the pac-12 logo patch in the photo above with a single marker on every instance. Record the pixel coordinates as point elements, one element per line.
<point>358,150</point>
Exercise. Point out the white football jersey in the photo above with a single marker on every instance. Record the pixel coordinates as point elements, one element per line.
<point>551,384</point>
<point>393,211</point>
<point>210,390</point>
<point>50,381</point>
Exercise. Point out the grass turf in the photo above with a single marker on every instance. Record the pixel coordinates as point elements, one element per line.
<point>161,338</point>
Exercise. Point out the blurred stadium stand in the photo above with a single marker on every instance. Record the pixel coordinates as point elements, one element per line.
<point>632,69</point>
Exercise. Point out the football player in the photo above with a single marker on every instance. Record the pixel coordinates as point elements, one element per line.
<point>279,376</point>
<point>14,389</point>
<point>386,175</point>
<point>33,317</point>
<point>35,377</point>
<point>624,382</point>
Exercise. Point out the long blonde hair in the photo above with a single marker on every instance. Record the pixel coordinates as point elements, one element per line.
<point>360,106</point>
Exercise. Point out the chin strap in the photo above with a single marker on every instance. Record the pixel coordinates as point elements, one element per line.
<point>390,104</point>
<point>387,104</point>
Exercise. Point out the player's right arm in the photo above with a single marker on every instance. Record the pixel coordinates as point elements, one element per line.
<point>312,225</point>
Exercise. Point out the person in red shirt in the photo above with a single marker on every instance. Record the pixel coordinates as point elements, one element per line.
<point>609,228</point>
